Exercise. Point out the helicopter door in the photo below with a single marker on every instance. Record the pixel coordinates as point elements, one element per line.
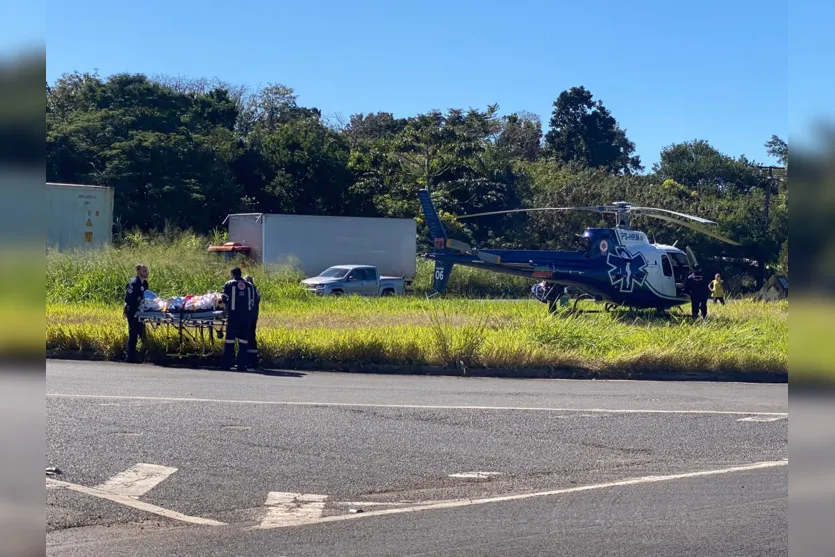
<point>668,281</point>
<point>691,258</point>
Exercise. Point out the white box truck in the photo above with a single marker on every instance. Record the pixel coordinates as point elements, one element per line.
<point>312,243</point>
<point>78,216</point>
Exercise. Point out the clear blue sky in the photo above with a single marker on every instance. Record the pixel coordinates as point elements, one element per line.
<point>669,71</point>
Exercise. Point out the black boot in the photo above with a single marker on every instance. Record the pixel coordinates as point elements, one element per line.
<point>242,357</point>
<point>228,356</point>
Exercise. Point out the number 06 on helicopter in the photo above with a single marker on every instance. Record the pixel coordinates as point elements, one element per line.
<point>617,266</point>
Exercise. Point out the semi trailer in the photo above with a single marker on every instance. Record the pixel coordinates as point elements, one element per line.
<point>313,243</point>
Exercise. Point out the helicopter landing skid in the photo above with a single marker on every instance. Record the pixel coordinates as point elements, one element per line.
<point>579,299</point>
<point>614,309</point>
<point>575,311</point>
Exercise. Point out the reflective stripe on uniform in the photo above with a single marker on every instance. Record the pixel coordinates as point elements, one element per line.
<point>241,341</point>
<point>230,341</point>
<point>251,351</point>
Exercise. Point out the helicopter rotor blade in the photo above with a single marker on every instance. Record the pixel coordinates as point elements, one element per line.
<point>693,222</point>
<point>598,209</point>
<point>698,227</point>
<point>649,210</point>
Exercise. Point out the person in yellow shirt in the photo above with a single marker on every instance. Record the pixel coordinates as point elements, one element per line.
<point>717,289</point>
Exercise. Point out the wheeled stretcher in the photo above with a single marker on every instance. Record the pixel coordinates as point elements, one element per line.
<point>201,327</point>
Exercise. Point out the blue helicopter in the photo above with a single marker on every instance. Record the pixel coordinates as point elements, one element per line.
<point>617,266</point>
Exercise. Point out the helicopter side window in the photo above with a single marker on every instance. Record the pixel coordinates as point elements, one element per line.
<point>665,266</point>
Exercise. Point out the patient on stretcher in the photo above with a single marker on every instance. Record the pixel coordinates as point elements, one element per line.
<point>205,302</point>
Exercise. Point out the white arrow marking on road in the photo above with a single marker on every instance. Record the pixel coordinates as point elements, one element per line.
<point>292,509</point>
<point>762,418</point>
<point>136,481</point>
<point>131,502</point>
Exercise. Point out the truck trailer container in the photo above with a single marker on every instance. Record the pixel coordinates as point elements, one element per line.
<point>78,216</point>
<point>312,243</point>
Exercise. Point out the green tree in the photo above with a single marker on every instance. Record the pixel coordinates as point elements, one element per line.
<point>778,149</point>
<point>521,136</point>
<point>273,106</point>
<point>166,153</point>
<point>583,130</point>
<point>309,166</point>
<point>783,260</point>
<point>434,144</point>
<point>373,128</point>
<point>700,166</point>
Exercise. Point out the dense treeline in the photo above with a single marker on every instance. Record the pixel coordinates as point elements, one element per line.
<point>185,153</point>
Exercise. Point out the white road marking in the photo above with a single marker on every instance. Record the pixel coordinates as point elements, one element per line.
<point>292,509</point>
<point>475,475</point>
<point>762,418</point>
<point>361,504</point>
<point>415,406</point>
<point>137,480</point>
<point>131,502</point>
<point>500,499</point>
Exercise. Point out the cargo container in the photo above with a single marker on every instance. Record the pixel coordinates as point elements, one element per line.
<point>313,243</point>
<point>78,216</point>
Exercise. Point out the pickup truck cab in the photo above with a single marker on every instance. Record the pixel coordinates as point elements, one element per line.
<point>362,280</point>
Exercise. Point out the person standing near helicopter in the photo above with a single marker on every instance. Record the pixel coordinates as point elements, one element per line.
<point>698,290</point>
<point>717,289</point>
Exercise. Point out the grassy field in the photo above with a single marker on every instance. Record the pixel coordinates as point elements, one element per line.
<point>743,336</point>
<point>84,315</point>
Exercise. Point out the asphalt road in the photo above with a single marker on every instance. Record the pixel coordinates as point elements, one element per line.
<point>186,462</point>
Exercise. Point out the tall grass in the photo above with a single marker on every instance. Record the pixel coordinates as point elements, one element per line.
<point>178,262</point>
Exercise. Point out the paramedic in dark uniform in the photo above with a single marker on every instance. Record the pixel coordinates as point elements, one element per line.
<point>699,291</point>
<point>134,294</point>
<point>252,349</point>
<point>238,297</point>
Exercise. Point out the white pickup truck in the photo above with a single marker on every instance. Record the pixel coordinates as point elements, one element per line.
<point>363,280</point>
